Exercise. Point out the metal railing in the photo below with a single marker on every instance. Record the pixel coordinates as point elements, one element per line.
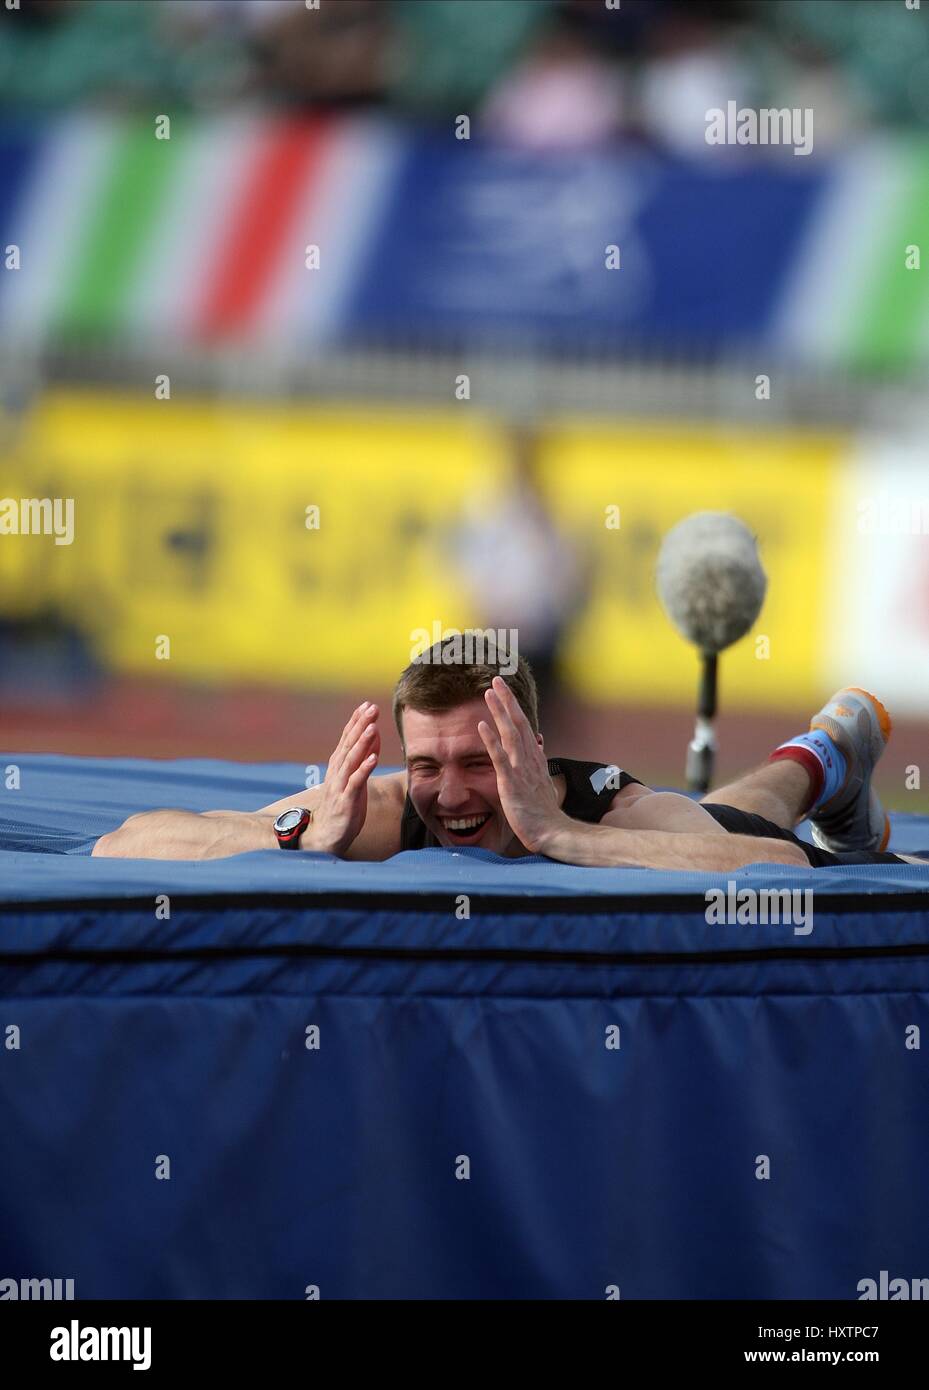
<point>513,383</point>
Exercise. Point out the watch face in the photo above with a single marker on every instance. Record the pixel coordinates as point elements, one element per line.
<point>288,820</point>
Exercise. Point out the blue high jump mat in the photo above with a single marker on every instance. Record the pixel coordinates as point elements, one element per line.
<point>448,1075</point>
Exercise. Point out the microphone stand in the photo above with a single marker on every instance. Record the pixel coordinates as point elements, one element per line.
<point>701,751</point>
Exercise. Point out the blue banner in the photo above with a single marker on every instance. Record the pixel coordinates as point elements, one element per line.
<point>480,241</point>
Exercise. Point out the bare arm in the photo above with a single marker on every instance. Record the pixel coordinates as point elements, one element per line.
<point>170,834</point>
<point>355,816</point>
<point>531,807</point>
<point>608,846</point>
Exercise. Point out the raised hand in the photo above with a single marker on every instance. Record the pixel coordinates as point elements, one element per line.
<point>526,790</point>
<point>343,805</point>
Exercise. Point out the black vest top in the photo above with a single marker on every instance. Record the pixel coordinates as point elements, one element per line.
<point>587,798</point>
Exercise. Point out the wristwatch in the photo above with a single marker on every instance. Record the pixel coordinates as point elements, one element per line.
<point>290,825</point>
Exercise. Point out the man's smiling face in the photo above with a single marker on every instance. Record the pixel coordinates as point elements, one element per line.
<point>451,780</point>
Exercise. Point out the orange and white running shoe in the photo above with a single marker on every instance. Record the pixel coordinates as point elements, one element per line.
<point>853,819</point>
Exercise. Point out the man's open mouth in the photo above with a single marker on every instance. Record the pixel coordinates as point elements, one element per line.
<point>463,830</point>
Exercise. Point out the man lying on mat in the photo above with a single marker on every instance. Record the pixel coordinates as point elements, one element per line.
<point>476,774</point>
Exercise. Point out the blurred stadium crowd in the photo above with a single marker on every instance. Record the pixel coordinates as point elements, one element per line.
<point>539,73</point>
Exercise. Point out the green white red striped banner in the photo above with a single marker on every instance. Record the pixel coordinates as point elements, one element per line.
<point>198,237</point>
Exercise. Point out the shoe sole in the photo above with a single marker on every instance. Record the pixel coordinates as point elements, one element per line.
<point>886,727</point>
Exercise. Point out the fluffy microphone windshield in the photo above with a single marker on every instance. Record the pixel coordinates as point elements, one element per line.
<point>710,579</point>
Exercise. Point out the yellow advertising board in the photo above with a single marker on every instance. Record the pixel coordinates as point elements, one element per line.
<point>304,546</point>
<point>268,544</point>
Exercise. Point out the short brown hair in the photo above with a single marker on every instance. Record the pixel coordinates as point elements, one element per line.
<point>438,679</point>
